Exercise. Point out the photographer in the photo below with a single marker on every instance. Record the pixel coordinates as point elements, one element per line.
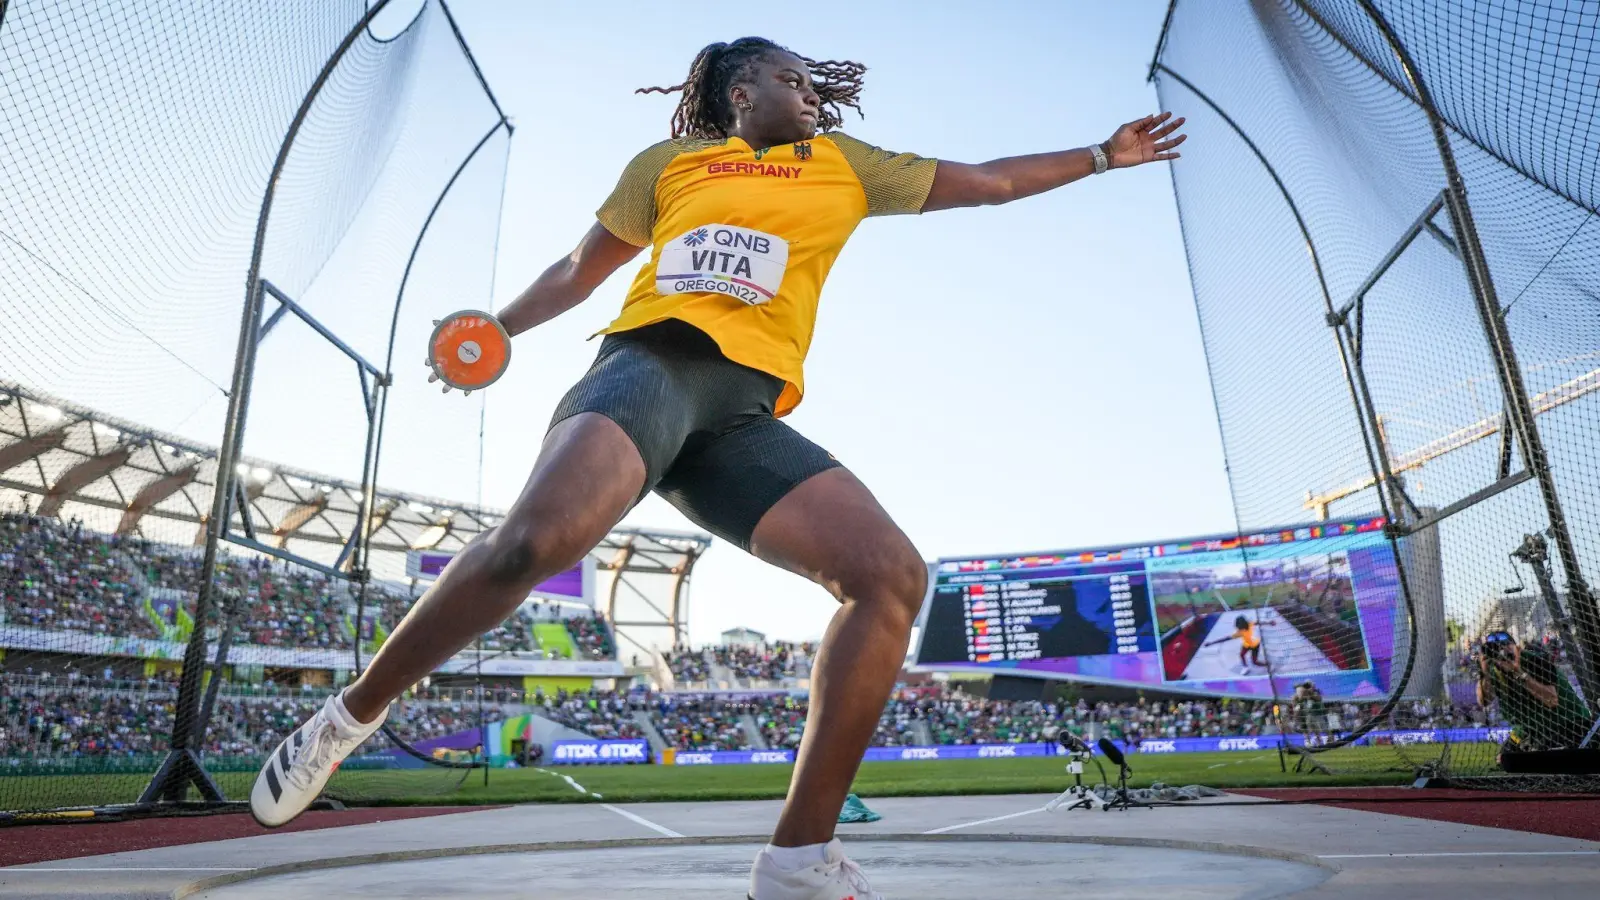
<point>1544,711</point>
<point>1309,711</point>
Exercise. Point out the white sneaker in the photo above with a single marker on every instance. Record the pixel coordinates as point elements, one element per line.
<point>835,878</point>
<point>296,772</point>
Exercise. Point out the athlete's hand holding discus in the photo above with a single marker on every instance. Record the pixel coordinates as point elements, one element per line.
<point>470,350</point>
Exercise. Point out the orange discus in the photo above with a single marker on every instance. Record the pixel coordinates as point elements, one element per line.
<point>469,350</point>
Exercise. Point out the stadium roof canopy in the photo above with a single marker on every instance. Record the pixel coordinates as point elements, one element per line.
<point>66,461</point>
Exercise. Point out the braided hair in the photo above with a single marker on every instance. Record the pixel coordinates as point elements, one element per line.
<point>706,111</point>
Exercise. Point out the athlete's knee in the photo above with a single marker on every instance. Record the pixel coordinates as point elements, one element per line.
<point>515,553</point>
<point>896,579</point>
<point>508,556</point>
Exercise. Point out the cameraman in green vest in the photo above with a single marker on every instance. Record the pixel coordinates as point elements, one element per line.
<point>1538,701</point>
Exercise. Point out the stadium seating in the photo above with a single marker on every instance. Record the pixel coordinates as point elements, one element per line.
<point>688,666</point>
<point>592,637</point>
<point>54,716</point>
<point>604,715</point>
<point>60,577</point>
<point>694,723</point>
<point>57,718</point>
<point>769,662</point>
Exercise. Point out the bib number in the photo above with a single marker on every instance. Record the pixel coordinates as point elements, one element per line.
<point>742,263</point>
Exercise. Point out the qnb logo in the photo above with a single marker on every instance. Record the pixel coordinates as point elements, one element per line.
<point>996,751</point>
<point>769,756</point>
<point>919,753</point>
<point>694,759</point>
<point>1239,744</point>
<point>1415,737</point>
<point>1158,747</point>
<point>696,237</point>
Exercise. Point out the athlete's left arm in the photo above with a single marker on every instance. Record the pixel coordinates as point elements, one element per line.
<point>955,185</point>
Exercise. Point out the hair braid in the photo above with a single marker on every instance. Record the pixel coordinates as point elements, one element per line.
<point>705,110</point>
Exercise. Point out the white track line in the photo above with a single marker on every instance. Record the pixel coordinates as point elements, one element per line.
<point>641,820</point>
<point>10,869</point>
<point>1460,854</point>
<point>568,779</point>
<point>1016,815</point>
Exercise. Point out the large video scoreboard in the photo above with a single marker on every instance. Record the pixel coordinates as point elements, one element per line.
<point>1227,614</point>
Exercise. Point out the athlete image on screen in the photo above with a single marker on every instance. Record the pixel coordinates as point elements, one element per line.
<point>739,212</point>
<point>1248,635</point>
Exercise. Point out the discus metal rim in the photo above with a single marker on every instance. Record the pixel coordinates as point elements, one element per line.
<point>442,323</point>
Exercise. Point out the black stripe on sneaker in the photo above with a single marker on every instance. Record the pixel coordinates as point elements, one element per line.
<point>299,738</point>
<point>283,756</point>
<point>272,782</point>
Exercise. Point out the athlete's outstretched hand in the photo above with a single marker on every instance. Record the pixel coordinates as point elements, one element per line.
<point>1146,140</point>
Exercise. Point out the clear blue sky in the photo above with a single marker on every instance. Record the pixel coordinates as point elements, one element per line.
<point>1020,377</point>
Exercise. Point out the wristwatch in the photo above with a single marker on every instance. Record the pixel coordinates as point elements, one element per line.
<point>1102,161</point>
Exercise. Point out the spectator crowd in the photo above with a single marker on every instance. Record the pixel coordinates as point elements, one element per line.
<point>80,716</point>
<point>59,576</point>
<point>768,662</point>
<point>86,718</point>
<point>772,662</point>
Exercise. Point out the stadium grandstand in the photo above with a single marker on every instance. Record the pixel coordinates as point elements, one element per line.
<point>96,580</point>
<point>73,712</point>
<point>100,525</point>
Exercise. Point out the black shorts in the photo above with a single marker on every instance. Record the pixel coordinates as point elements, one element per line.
<point>703,425</point>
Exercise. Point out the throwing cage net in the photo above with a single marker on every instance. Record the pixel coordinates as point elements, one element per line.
<point>1387,210</point>
<point>214,218</point>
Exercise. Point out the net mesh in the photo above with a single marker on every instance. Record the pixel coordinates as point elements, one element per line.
<point>1352,370</point>
<point>136,142</point>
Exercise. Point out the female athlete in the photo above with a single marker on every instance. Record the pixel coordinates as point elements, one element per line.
<point>744,211</point>
<point>1249,638</point>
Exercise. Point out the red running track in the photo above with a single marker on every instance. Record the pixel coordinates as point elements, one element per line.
<point>1563,815</point>
<point>41,843</point>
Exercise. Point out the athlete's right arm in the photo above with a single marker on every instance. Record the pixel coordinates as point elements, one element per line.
<point>569,281</point>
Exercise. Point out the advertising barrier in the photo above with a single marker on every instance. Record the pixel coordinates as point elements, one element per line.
<point>572,753</point>
<point>731,757</point>
<point>1271,741</point>
<point>576,753</point>
<point>960,751</point>
<point>1267,742</point>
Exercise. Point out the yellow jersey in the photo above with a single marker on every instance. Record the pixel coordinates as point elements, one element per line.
<point>1248,636</point>
<point>741,240</point>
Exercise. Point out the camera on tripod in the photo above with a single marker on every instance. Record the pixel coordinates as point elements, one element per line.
<point>1076,748</point>
<point>1078,752</point>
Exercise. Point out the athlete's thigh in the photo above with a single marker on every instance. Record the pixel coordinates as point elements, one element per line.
<point>772,491</point>
<point>611,436</point>
<point>635,386</point>
<point>832,530</point>
<point>728,483</point>
<point>588,475</point>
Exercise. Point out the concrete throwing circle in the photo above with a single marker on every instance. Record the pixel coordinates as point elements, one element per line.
<point>901,869</point>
